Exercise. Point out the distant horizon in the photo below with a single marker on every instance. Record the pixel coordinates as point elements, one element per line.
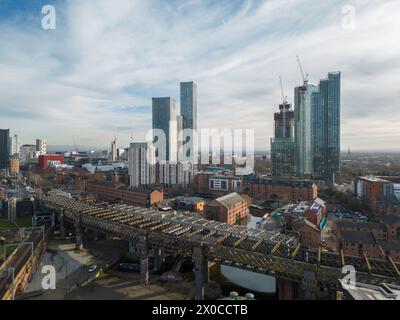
<point>69,148</point>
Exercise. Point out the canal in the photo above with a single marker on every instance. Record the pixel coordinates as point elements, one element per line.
<point>242,281</point>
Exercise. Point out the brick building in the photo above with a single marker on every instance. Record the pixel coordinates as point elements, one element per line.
<point>356,243</point>
<point>50,160</point>
<point>190,203</point>
<point>230,209</point>
<point>211,184</point>
<point>391,248</point>
<point>379,230</point>
<point>289,190</point>
<point>309,234</point>
<point>393,227</point>
<point>132,196</point>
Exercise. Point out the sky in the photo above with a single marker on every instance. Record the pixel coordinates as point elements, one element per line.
<point>92,78</point>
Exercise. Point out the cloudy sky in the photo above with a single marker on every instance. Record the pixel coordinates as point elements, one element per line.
<point>93,77</point>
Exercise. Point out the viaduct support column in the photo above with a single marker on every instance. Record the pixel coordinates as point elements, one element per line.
<point>200,264</point>
<point>78,234</point>
<point>144,259</point>
<point>158,260</point>
<point>62,225</point>
<point>287,290</point>
<point>205,270</point>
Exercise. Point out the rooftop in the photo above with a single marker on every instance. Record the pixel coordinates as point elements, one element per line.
<point>391,219</point>
<point>358,236</point>
<point>230,200</point>
<point>359,225</point>
<point>303,222</point>
<point>363,291</point>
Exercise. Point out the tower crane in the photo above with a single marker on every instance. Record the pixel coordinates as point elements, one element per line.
<point>284,97</point>
<point>305,77</point>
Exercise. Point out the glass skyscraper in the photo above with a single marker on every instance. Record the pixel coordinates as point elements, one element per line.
<point>325,138</point>
<point>303,114</point>
<point>4,148</point>
<point>188,92</point>
<point>164,118</point>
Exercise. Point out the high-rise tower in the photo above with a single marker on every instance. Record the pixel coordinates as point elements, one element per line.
<point>282,145</point>
<point>4,148</point>
<point>188,92</point>
<point>164,118</point>
<point>326,127</point>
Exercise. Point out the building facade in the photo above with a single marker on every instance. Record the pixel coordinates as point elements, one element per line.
<point>164,118</point>
<point>283,144</point>
<point>50,160</point>
<point>27,153</point>
<point>134,196</point>
<point>13,146</point>
<point>325,126</point>
<point>229,209</point>
<point>141,164</point>
<point>4,148</point>
<point>188,95</point>
<point>289,190</point>
<point>41,147</point>
<point>175,174</point>
<point>303,121</point>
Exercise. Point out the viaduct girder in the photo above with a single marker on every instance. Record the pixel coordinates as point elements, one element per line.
<point>255,250</point>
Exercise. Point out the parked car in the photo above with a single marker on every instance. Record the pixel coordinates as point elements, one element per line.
<point>92,268</point>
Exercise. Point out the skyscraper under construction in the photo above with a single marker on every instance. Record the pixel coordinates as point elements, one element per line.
<point>283,144</point>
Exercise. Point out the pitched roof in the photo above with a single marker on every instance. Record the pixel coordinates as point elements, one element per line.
<point>297,224</point>
<point>393,245</point>
<point>391,219</point>
<point>358,236</point>
<point>230,200</point>
<point>364,225</point>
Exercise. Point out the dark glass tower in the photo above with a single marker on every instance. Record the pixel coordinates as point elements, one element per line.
<point>4,148</point>
<point>282,145</point>
<point>189,114</point>
<point>325,128</point>
<point>164,118</point>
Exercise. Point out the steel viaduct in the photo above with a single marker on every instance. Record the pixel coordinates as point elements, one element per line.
<point>300,273</point>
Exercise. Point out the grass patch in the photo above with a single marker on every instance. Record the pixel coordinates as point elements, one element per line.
<point>25,222</point>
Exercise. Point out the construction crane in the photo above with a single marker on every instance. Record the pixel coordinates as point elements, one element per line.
<point>284,98</point>
<point>305,77</point>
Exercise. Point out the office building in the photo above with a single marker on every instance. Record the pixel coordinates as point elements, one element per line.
<point>4,148</point>
<point>325,127</point>
<point>141,161</point>
<point>188,93</point>
<point>283,145</point>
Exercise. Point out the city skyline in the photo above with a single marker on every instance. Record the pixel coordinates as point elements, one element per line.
<point>86,81</point>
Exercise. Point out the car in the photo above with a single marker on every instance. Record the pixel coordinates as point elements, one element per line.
<point>92,268</point>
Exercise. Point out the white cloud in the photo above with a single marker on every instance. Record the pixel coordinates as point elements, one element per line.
<point>104,55</point>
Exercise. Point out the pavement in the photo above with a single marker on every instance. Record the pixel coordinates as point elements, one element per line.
<point>70,265</point>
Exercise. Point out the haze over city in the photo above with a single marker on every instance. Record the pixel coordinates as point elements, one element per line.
<point>93,77</point>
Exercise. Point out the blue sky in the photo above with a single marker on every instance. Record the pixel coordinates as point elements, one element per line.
<point>94,76</point>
